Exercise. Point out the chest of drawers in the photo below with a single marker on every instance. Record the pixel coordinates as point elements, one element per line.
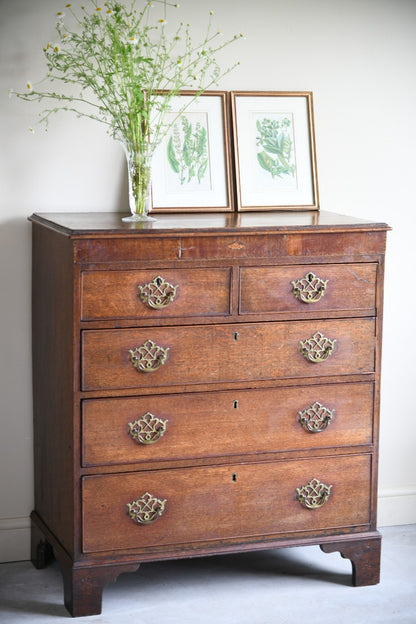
<point>204,384</point>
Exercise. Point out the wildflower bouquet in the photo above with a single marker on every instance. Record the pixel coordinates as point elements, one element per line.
<point>121,66</point>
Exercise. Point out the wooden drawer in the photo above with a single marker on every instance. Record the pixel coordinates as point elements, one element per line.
<point>224,502</point>
<point>214,424</point>
<point>345,287</point>
<point>223,353</point>
<point>174,292</point>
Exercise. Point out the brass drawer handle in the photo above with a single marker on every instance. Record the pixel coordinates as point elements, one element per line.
<point>158,293</point>
<point>148,429</point>
<point>316,417</point>
<point>146,509</point>
<point>149,357</point>
<point>317,348</point>
<point>310,288</point>
<point>314,494</point>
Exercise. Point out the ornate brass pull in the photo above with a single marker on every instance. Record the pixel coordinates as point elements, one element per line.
<point>148,429</point>
<point>314,494</point>
<point>158,293</point>
<point>146,509</point>
<point>316,417</point>
<point>149,357</point>
<point>317,348</point>
<point>309,289</point>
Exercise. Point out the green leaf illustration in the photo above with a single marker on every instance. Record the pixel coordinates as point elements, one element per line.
<point>171,156</point>
<point>265,161</point>
<point>202,169</point>
<point>187,153</point>
<point>276,155</point>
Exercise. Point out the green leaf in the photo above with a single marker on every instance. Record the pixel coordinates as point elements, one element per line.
<point>172,157</point>
<point>271,147</point>
<point>191,173</point>
<point>201,142</point>
<point>187,153</point>
<point>286,146</point>
<point>202,169</point>
<point>283,161</point>
<point>265,161</point>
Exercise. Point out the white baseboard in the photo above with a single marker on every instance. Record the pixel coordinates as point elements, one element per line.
<point>395,506</point>
<point>14,539</point>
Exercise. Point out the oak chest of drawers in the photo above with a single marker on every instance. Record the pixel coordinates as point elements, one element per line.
<point>204,384</point>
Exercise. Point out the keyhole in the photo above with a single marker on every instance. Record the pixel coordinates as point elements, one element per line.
<point>235,404</point>
<point>235,336</point>
<point>234,477</point>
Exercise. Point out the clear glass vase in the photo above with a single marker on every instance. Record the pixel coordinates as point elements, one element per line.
<point>139,168</point>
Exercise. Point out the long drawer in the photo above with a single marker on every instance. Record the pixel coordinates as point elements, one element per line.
<point>213,424</point>
<point>155,293</point>
<point>301,288</point>
<point>167,507</point>
<point>165,356</point>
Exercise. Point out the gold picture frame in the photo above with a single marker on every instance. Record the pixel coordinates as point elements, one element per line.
<point>191,168</point>
<point>274,150</point>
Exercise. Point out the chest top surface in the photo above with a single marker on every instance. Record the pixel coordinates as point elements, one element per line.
<point>110,223</point>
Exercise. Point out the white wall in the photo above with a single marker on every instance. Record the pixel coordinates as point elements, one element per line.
<point>358,57</point>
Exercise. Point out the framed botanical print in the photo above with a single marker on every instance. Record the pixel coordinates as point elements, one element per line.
<point>191,166</point>
<point>274,150</point>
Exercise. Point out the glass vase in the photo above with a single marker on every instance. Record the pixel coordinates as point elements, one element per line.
<point>139,168</point>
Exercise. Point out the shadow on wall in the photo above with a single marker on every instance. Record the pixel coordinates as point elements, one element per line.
<point>15,370</point>
<point>15,281</point>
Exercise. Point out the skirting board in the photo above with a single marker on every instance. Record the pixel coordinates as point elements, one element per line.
<point>14,539</point>
<point>395,506</point>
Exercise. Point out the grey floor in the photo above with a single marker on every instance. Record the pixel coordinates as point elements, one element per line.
<point>290,586</point>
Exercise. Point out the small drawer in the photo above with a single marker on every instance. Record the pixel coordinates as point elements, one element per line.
<point>303,288</point>
<point>162,508</point>
<point>155,294</point>
<point>213,424</point>
<point>173,356</point>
